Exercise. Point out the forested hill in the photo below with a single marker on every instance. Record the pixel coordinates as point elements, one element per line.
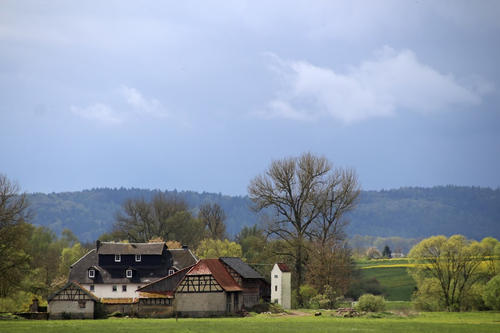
<point>405,212</point>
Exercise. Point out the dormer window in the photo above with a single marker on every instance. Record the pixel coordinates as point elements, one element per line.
<point>118,257</point>
<point>138,258</point>
<point>91,273</point>
<point>128,272</point>
<point>171,271</point>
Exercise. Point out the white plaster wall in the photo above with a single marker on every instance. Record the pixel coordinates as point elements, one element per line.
<point>200,302</point>
<point>105,290</point>
<point>286,290</point>
<point>276,282</point>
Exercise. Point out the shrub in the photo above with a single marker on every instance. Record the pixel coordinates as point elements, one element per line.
<point>307,292</point>
<point>491,295</point>
<point>371,303</point>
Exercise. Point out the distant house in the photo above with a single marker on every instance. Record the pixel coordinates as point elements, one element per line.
<point>117,270</point>
<point>281,287</point>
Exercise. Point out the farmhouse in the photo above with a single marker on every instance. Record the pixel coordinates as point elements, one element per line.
<point>150,280</point>
<point>116,270</point>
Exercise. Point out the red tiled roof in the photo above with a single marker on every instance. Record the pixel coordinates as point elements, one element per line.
<point>283,267</point>
<point>215,268</point>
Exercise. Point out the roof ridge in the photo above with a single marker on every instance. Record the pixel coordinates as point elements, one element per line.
<point>76,262</point>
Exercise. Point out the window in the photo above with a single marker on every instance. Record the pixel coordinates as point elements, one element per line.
<point>138,258</point>
<point>124,288</point>
<point>118,257</point>
<point>114,287</point>
<point>81,304</point>
<point>91,273</point>
<point>171,271</point>
<point>276,276</point>
<point>92,287</point>
<point>128,272</point>
<point>275,288</point>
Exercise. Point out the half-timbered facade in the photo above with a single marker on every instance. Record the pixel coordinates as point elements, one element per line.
<point>204,289</point>
<point>72,301</point>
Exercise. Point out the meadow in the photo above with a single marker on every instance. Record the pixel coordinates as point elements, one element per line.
<point>393,276</point>
<point>423,322</point>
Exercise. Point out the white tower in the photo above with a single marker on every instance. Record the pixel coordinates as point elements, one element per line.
<point>281,286</point>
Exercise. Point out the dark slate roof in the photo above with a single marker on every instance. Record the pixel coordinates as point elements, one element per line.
<point>165,284</point>
<point>115,273</point>
<point>241,267</point>
<point>183,258</point>
<point>130,248</point>
<point>79,272</point>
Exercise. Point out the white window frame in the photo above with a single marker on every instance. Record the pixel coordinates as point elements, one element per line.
<point>91,273</point>
<point>138,258</point>
<point>171,271</point>
<point>118,257</point>
<point>128,273</point>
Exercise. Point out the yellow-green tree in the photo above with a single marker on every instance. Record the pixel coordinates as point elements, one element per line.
<point>215,248</point>
<point>452,265</point>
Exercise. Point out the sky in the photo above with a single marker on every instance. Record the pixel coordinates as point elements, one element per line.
<point>204,95</point>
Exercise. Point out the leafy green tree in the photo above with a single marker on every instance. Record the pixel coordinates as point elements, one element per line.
<point>253,244</point>
<point>14,236</point>
<point>451,263</point>
<point>215,248</point>
<point>69,256</point>
<point>491,248</point>
<point>491,294</point>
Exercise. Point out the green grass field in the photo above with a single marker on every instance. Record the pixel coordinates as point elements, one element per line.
<point>392,275</point>
<point>425,322</point>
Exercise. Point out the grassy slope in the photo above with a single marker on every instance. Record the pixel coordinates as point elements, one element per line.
<point>398,285</point>
<point>427,322</point>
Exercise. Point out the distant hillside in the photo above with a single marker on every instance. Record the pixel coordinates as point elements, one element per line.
<point>405,212</point>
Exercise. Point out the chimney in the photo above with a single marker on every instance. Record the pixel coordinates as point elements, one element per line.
<point>97,245</point>
<point>184,247</point>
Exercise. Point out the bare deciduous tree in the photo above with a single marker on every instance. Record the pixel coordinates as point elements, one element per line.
<point>213,217</point>
<point>309,198</point>
<point>165,217</point>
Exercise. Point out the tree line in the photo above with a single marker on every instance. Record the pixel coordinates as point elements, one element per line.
<point>304,204</point>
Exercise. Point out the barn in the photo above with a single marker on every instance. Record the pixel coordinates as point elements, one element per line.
<point>205,289</point>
